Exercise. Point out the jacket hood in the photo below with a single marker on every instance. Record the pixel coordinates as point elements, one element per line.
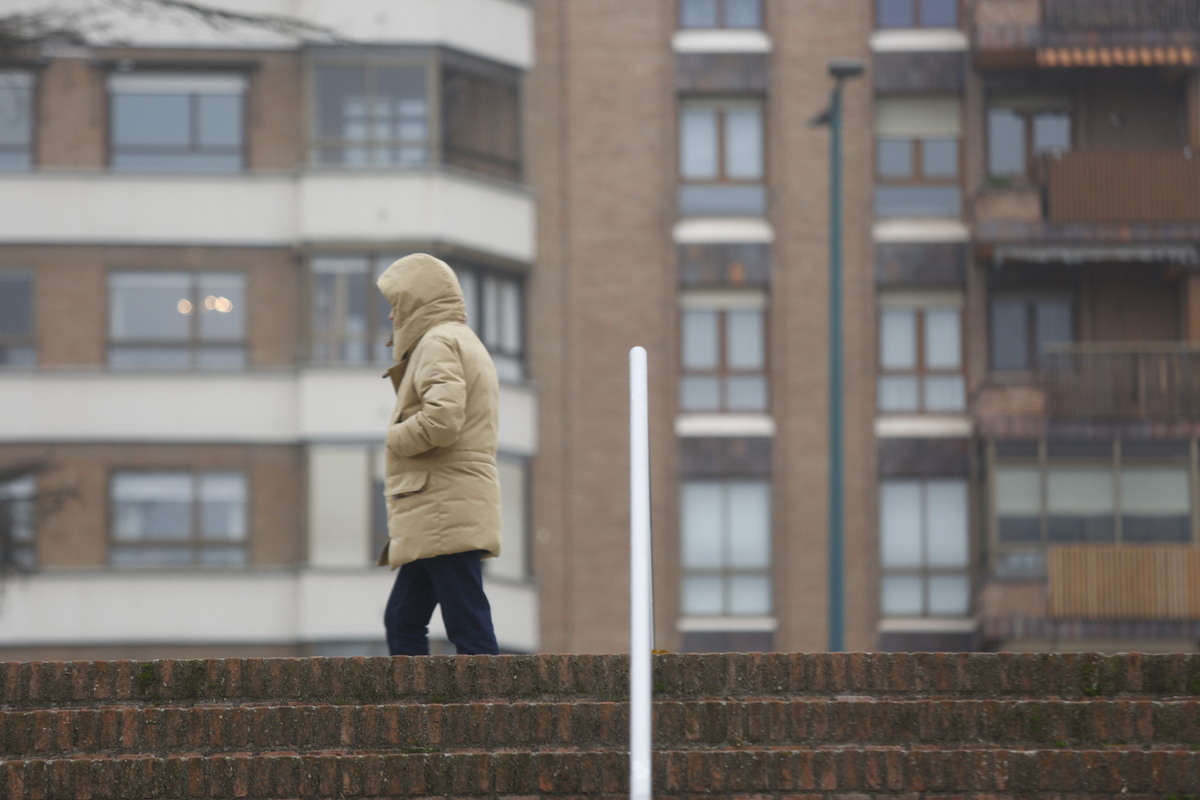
<point>423,291</point>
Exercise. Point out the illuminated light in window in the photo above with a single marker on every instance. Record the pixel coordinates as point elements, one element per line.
<point>184,306</point>
<point>223,304</point>
<point>210,302</point>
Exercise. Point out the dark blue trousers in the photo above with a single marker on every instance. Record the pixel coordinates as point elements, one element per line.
<point>455,582</point>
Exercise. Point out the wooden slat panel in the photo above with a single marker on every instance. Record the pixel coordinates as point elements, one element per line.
<point>1131,583</point>
<point>1123,186</point>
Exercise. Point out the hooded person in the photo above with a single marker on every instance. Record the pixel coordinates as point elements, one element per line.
<point>441,483</point>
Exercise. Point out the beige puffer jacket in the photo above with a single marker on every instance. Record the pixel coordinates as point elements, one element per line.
<point>441,482</point>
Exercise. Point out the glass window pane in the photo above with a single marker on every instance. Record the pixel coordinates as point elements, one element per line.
<point>750,595</point>
<point>703,596</point>
<point>220,122</point>
<point>946,529</point>
<point>939,158</point>
<point>742,14</point>
<point>744,333</point>
<point>17,501</point>
<point>898,338</point>
<point>743,144</point>
<point>1051,132</point>
<point>470,287</point>
<point>1005,142</point>
<point>150,357</point>
<point>1021,564</point>
<point>222,307</point>
<point>698,13</point>
<point>746,394</point>
<point>900,524</point>
<point>16,115</point>
<point>1155,505</point>
<point>161,120</point>
<point>750,518</point>
<point>949,595</point>
<point>898,393</point>
<point>702,520</point>
<point>1053,324</point>
<point>148,305</point>
<point>945,393</point>
<point>510,317</point>
<point>151,506</point>
<point>222,506</point>
<point>149,556</point>
<point>939,13</point>
<point>943,338</point>
<point>900,596</point>
<point>917,200</point>
<point>1080,504</point>
<point>895,13</point>
<point>700,394</point>
<point>698,143</point>
<point>1009,336</point>
<point>701,348</point>
<point>223,557</point>
<point>894,158</point>
<point>341,103</point>
<point>16,304</point>
<point>1018,504</point>
<point>401,104</point>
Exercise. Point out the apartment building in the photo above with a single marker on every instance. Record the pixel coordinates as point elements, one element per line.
<point>1019,310</point>
<point>191,342</point>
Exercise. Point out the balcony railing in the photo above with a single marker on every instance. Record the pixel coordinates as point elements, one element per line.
<point>1140,582</point>
<point>1121,187</point>
<point>1027,25</point>
<point>1116,382</point>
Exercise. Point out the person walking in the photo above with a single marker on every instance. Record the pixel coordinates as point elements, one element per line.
<point>440,478</point>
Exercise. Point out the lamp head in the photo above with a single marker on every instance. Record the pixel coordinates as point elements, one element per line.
<point>842,68</point>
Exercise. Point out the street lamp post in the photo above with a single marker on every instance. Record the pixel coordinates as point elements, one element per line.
<point>840,70</point>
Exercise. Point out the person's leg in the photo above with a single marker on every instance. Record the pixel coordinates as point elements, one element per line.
<point>409,609</point>
<point>458,582</point>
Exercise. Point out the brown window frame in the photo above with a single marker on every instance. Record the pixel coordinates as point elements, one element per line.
<point>921,370</point>
<point>721,108</point>
<point>722,18</point>
<point>723,372</point>
<point>916,16</point>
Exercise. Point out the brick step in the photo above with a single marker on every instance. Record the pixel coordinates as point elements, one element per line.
<point>441,679</point>
<point>116,731</point>
<point>767,774</point>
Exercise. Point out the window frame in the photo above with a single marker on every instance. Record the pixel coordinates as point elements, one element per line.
<point>722,17</point>
<point>720,107</point>
<point>195,543</point>
<point>917,159</point>
<point>726,572</point>
<point>29,77</point>
<point>511,364</point>
<point>920,306</point>
<point>917,8</point>
<point>1030,174</point>
<point>195,77</point>
<point>1044,462</point>
<point>924,571</point>
<point>19,495</point>
<point>723,303</point>
<point>29,341</point>
<point>1030,300</point>
<point>194,343</point>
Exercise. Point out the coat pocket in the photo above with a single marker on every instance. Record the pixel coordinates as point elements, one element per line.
<point>405,483</point>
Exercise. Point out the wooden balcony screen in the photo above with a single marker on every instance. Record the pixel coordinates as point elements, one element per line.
<point>1145,582</point>
<point>1119,187</point>
<point>1110,382</point>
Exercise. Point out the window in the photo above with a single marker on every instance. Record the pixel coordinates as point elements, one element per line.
<point>1019,132</point>
<point>924,548</point>
<point>917,157</point>
<point>168,519</point>
<point>412,107</point>
<point>1106,496</point>
<point>723,347</point>
<point>916,13</point>
<point>350,323</point>
<point>720,14</point>
<point>17,335</point>
<point>1023,326</point>
<point>17,505</point>
<point>176,320</point>
<point>726,539</point>
<point>721,158</point>
<point>162,122</point>
<point>920,355</point>
<point>16,119</point>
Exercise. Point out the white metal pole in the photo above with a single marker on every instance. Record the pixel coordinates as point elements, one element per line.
<point>641,578</point>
